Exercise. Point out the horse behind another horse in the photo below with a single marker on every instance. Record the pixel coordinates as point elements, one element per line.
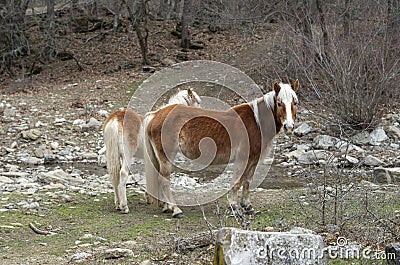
<point>123,137</point>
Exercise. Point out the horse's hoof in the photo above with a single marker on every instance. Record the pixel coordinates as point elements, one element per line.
<point>167,210</point>
<point>178,215</point>
<point>125,210</point>
<point>234,206</point>
<point>249,210</point>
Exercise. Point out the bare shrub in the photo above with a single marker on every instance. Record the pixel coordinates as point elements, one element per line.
<point>352,68</point>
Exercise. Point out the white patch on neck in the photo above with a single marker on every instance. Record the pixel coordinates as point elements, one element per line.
<point>269,99</point>
<point>256,114</point>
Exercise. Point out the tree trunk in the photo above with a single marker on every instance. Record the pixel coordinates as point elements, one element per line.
<point>50,48</point>
<point>346,19</point>
<point>321,14</point>
<point>117,8</point>
<point>305,23</point>
<point>138,16</point>
<point>74,8</point>
<point>185,42</point>
<point>393,21</point>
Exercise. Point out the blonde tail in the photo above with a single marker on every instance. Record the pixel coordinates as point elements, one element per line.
<point>151,165</point>
<point>111,140</point>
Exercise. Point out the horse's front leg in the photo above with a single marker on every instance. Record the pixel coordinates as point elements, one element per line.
<point>237,183</point>
<point>247,180</point>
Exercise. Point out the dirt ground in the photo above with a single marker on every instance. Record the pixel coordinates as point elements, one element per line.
<point>85,223</point>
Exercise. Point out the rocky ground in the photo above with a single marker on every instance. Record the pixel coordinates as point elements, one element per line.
<point>52,158</point>
<point>52,150</point>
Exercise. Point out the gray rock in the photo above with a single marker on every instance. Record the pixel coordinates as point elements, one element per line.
<point>394,145</point>
<point>168,61</point>
<point>344,146</point>
<point>41,152</point>
<point>325,142</point>
<point>59,120</point>
<point>392,252</point>
<point>304,147</point>
<point>4,179</point>
<point>59,176</point>
<point>32,205</point>
<point>313,156</point>
<point>294,154</point>
<point>372,161</point>
<point>32,134</point>
<point>115,253</point>
<point>15,174</point>
<point>351,160</point>
<point>81,256</point>
<point>103,113</point>
<point>393,132</point>
<point>303,129</point>
<point>93,124</point>
<point>384,175</point>
<point>78,122</point>
<point>54,145</point>
<point>361,138</point>
<point>32,160</point>
<point>377,136</point>
<point>9,112</point>
<point>236,246</point>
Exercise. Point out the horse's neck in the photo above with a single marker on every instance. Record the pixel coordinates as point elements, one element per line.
<point>264,113</point>
<point>178,99</point>
<point>269,100</point>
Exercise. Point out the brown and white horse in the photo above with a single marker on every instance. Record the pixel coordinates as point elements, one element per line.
<point>123,137</point>
<point>242,135</point>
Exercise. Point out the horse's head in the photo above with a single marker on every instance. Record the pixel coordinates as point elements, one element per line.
<point>285,104</point>
<point>186,97</point>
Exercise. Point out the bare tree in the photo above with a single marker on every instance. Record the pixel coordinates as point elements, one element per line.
<point>73,10</point>
<point>169,9</point>
<point>354,79</point>
<point>321,14</point>
<point>117,13</point>
<point>138,15</point>
<point>346,18</point>
<point>393,21</point>
<point>50,47</point>
<point>13,40</point>
<point>185,41</point>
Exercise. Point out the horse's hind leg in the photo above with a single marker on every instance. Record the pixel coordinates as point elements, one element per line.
<point>124,173</point>
<point>169,205</point>
<point>115,179</point>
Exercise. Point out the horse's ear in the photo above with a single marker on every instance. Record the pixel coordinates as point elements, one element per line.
<point>190,92</point>
<point>277,88</point>
<point>295,85</point>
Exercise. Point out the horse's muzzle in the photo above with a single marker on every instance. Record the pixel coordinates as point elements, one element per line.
<point>288,129</point>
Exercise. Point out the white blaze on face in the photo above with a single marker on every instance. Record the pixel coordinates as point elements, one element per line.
<point>287,95</point>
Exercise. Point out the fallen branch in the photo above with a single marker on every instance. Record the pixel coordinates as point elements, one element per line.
<point>203,239</point>
<point>101,35</point>
<point>40,232</point>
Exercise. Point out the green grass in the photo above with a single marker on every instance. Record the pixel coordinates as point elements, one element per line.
<point>153,231</point>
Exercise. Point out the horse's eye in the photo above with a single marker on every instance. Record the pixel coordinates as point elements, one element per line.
<point>295,103</point>
<point>279,104</point>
